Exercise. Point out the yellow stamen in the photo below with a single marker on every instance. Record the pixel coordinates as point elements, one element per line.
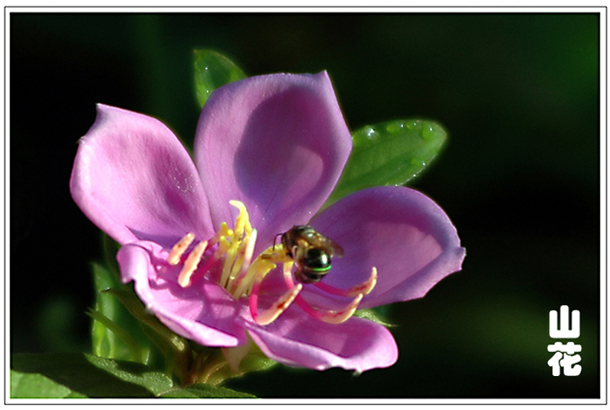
<point>242,222</point>
<point>178,250</point>
<point>244,258</point>
<point>223,247</point>
<point>257,271</point>
<point>224,231</point>
<point>238,242</point>
<point>190,264</point>
<point>247,246</point>
<point>228,264</point>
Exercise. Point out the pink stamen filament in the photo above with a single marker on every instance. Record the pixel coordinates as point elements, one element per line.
<point>365,287</point>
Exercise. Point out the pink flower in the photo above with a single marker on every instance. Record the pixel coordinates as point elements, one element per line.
<point>276,144</point>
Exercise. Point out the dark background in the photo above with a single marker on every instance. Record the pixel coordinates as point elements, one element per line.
<point>518,94</point>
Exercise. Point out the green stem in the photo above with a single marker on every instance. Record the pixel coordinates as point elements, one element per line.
<point>206,367</point>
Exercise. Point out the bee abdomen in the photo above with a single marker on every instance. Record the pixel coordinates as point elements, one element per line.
<point>317,260</point>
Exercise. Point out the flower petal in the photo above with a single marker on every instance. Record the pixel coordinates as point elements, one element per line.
<point>403,233</point>
<point>133,178</point>
<point>202,312</point>
<point>296,339</point>
<point>278,143</point>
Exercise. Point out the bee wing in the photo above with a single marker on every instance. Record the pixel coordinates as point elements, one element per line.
<point>337,250</point>
<point>320,241</point>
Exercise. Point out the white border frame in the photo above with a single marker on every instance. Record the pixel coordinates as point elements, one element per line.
<point>115,7</point>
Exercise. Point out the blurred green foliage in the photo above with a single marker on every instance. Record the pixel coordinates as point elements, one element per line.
<point>517,93</point>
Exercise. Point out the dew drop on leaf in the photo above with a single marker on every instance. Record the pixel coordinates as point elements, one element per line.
<point>427,131</point>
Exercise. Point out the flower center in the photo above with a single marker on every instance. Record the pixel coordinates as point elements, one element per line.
<point>232,248</point>
<point>242,276</point>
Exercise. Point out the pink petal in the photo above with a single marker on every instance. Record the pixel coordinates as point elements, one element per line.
<point>403,233</point>
<point>134,180</point>
<point>296,339</point>
<point>278,143</point>
<point>202,312</point>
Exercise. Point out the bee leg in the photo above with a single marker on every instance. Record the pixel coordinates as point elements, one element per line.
<point>275,240</point>
<point>279,256</point>
<point>363,288</point>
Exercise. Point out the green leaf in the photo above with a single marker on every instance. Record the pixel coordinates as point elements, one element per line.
<point>121,333</point>
<point>109,250</point>
<point>372,315</point>
<point>213,70</point>
<point>37,386</point>
<point>60,375</point>
<point>83,375</point>
<point>389,153</point>
<point>201,390</point>
<point>115,333</point>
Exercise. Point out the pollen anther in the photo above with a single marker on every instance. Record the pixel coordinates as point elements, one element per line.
<point>178,250</point>
<point>278,307</point>
<point>191,263</point>
<point>365,287</point>
<point>336,317</point>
